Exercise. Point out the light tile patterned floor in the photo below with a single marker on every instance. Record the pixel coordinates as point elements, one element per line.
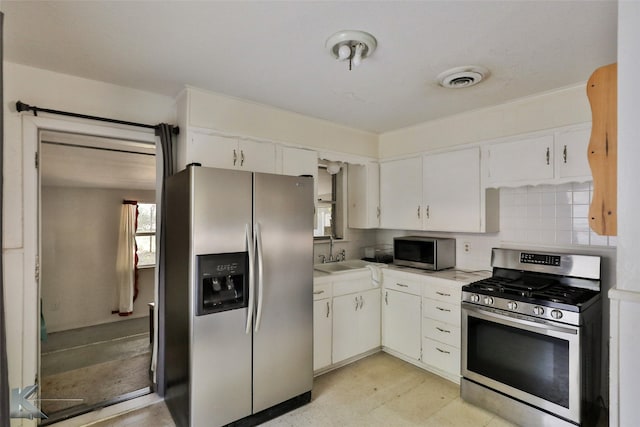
<point>379,390</point>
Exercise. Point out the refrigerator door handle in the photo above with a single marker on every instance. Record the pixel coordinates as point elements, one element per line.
<point>258,237</point>
<point>252,263</point>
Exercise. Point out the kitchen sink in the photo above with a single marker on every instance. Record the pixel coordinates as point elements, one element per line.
<point>335,267</point>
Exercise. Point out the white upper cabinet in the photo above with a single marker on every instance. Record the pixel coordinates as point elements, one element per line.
<point>437,192</point>
<point>401,194</point>
<point>572,154</point>
<point>521,161</point>
<point>556,157</point>
<point>228,153</point>
<point>363,195</point>
<point>298,161</point>
<point>451,191</point>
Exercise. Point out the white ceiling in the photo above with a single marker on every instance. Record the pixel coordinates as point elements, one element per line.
<point>70,160</point>
<point>273,52</point>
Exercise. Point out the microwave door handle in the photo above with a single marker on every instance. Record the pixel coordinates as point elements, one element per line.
<point>521,323</point>
<point>252,263</point>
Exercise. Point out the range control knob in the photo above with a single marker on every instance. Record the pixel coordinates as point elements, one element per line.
<point>556,314</point>
<point>512,305</point>
<point>538,311</point>
<point>488,301</point>
<point>475,298</point>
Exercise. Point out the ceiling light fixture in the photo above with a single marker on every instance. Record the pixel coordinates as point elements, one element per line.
<point>352,45</point>
<point>461,77</point>
<point>333,167</point>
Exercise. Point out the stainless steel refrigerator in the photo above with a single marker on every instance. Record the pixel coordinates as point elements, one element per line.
<point>239,295</point>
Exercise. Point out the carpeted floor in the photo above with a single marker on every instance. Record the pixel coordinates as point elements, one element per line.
<point>87,366</point>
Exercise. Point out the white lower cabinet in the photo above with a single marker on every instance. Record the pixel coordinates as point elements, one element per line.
<point>401,322</point>
<point>414,316</point>
<point>322,325</point>
<point>356,324</point>
<point>441,326</point>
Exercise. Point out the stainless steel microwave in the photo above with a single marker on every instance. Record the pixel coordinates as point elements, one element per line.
<point>428,253</point>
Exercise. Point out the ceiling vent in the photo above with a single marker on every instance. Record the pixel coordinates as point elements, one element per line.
<point>459,77</point>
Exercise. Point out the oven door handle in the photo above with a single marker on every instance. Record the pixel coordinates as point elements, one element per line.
<point>488,314</point>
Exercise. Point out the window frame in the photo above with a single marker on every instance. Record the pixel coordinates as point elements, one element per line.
<point>152,243</point>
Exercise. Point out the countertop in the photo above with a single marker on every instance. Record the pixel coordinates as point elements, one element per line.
<point>458,275</point>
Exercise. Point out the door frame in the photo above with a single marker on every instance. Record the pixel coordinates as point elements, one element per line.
<point>31,128</point>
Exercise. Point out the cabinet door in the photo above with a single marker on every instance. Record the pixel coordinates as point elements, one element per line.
<point>527,160</point>
<point>369,320</point>
<point>257,156</point>
<point>213,151</point>
<point>345,327</point>
<point>363,195</point>
<point>401,194</point>
<point>298,161</point>
<point>401,323</point>
<point>451,191</point>
<point>572,153</point>
<point>322,322</point>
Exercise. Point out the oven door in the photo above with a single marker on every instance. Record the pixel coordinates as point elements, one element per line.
<point>535,362</point>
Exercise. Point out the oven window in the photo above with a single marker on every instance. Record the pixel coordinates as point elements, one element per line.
<point>419,251</point>
<point>534,363</point>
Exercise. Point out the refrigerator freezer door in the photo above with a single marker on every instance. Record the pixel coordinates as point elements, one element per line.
<point>221,210</point>
<point>221,374</point>
<point>220,346</point>
<point>283,341</point>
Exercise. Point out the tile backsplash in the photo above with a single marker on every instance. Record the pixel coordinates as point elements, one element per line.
<point>549,215</point>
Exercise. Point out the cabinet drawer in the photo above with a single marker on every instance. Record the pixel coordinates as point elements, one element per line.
<point>442,332</point>
<point>403,282</point>
<point>441,311</point>
<point>350,283</point>
<point>443,290</point>
<point>441,356</point>
<point>321,291</point>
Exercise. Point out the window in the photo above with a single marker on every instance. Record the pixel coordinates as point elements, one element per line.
<point>146,235</point>
<point>329,208</point>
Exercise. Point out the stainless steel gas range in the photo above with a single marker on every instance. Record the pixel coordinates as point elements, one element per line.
<point>531,336</point>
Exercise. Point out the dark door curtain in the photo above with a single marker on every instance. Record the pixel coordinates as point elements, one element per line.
<point>4,372</point>
<point>165,132</point>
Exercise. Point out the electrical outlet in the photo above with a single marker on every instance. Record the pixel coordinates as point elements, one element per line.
<point>467,246</point>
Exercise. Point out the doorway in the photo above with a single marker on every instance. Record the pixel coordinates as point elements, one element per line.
<point>93,353</point>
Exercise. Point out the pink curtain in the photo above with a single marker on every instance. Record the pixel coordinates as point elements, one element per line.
<point>127,258</point>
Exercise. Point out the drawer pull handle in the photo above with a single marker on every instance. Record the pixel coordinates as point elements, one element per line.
<point>443,330</point>
<point>402,285</point>
<point>318,292</point>
<point>443,351</point>
<point>386,298</point>
<point>443,309</point>
<point>443,294</point>
<point>328,309</point>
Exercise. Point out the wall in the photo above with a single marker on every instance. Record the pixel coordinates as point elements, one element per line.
<point>64,92</point>
<point>625,301</point>
<point>544,111</point>
<point>244,118</point>
<point>79,247</point>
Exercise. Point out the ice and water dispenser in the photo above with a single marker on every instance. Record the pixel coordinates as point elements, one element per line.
<point>222,282</point>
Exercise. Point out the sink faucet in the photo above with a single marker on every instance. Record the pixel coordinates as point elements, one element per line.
<point>330,248</point>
